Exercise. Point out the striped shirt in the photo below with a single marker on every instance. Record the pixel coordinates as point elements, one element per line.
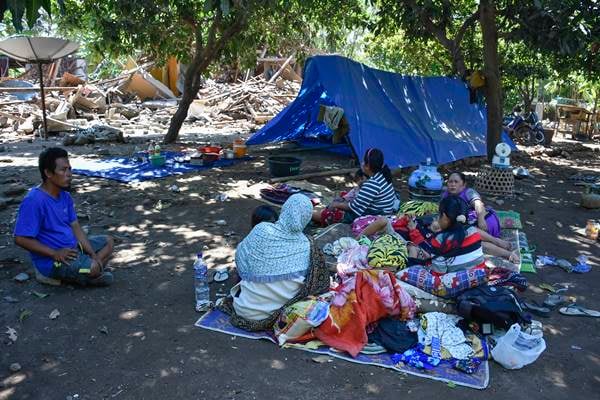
<point>375,197</point>
<point>447,254</point>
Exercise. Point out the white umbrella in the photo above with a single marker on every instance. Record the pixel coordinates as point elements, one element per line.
<point>39,50</point>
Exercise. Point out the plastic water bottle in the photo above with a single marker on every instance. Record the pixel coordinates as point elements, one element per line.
<point>201,288</point>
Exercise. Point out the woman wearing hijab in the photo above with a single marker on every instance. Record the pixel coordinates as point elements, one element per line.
<point>278,266</point>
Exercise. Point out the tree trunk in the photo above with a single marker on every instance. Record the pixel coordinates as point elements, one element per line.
<point>182,110</point>
<point>493,91</point>
<point>458,60</point>
<point>593,119</point>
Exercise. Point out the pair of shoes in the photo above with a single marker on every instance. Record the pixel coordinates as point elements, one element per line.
<point>106,279</point>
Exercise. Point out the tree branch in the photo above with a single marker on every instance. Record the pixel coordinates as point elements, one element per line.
<point>466,25</point>
<point>439,32</point>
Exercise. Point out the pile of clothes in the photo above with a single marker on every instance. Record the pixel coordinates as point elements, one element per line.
<point>379,303</point>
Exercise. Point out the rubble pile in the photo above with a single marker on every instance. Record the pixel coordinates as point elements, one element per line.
<point>135,103</point>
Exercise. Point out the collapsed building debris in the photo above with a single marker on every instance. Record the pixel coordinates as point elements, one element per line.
<point>136,103</point>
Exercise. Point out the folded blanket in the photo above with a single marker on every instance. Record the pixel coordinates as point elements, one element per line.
<point>361,300</point>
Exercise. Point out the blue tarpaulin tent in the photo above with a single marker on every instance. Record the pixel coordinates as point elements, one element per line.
<point>410,118</point>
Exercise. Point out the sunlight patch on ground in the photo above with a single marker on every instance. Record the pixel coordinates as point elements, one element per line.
<point>130,314</point>
<point>372,388</point>
<point>14,379</point>
<point>7,393</point>
<point>277,364</point>
<point>558,379</point>
<point>553,330</point>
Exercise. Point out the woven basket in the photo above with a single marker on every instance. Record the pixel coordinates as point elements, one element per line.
<point>495,181</point>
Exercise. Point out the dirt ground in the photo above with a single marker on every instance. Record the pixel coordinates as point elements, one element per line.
<point>137,340</point>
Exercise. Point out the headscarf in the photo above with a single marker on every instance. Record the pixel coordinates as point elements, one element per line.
<point>277,251</point>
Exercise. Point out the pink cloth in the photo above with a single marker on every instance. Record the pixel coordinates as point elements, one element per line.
<point>352,260</point>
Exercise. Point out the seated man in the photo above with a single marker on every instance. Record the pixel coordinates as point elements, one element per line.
<point>47,227</point>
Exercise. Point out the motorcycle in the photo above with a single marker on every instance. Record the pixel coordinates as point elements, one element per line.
<point>525,130</point>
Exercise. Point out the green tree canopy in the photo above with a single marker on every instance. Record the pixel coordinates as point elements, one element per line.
<point>26,9</point>
<point>200,32</point>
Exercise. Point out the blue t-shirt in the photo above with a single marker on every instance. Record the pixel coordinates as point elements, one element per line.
<point>48,220</point>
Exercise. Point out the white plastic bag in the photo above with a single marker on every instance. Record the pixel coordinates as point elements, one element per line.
<point>517,349</point>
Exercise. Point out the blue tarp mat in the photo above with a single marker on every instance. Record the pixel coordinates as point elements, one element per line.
<point>409,118</point>
<point>127,170</point>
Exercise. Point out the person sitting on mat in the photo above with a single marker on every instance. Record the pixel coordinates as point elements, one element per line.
<point>48,228</point>
<point>449,261</point>
<point>482,217</point>
<point>375,197</point>
<point>263,214</point>
<point>278,265</point>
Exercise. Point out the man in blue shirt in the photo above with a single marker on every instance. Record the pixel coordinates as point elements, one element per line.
<point>47,227</point>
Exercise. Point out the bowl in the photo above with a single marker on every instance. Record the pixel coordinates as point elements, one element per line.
<point>210,149</point>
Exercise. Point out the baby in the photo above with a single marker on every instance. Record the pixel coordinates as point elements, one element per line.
<point>359,178</point>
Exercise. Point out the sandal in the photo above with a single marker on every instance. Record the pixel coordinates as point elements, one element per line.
<point>536,309</point>
<point>578,311</point>
<point>554,300</point>
<point>220,275</point>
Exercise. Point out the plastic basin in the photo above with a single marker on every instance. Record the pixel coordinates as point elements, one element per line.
<point>157,161</point>
<point>284,165</point>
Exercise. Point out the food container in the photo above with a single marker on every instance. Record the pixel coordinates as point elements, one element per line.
<point>157,160</point>
<point>239,148</point>
<point>210,149</point>
<point>228,154</point>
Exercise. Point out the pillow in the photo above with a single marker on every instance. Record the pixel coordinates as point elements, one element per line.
<point>447,285</point>
<point>388,252</point>
<point>298,319</point>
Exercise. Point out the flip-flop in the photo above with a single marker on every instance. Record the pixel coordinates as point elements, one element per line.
<point>536,309</point>
<point>220,276</point>
<point>554,300</point>
<point>578,311</point>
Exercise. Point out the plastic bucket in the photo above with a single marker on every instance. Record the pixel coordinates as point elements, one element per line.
<point>284,165</point>
<point>157,161</point>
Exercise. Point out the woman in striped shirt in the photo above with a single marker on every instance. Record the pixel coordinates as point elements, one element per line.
<point>375,197</point>
<point>450,261</point>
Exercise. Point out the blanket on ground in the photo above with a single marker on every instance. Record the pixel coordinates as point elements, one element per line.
<point>360,300</point>
<point>126,169</point>
<point>217,321</point>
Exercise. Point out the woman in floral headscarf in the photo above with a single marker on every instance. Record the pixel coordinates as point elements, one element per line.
<point>278,265</point>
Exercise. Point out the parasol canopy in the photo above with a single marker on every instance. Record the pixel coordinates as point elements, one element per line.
<point>37,49</point>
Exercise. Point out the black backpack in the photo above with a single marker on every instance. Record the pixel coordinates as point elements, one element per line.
<point>496,305</point>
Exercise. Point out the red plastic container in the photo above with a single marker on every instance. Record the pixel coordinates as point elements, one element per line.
<point>210,149</point>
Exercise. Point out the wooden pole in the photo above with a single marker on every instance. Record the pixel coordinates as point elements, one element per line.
<point>314,175</point>
<point>34,88</point>
<point>43,100</point>
<point>285,64</point>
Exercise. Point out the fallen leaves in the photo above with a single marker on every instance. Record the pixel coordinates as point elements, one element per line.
<point>24,315</point>
<point>40,295</point>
